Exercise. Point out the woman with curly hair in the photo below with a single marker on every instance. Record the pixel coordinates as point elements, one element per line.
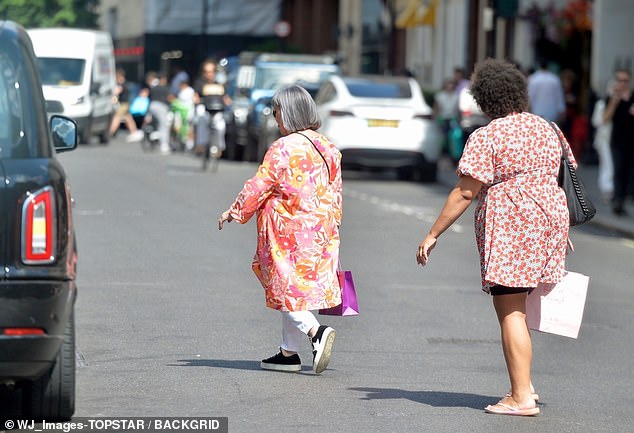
<point>521,219</point>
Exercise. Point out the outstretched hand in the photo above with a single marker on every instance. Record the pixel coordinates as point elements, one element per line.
<point>225,217</point>
<point>424,249</point>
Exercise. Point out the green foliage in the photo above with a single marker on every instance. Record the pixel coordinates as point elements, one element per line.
<point>50,13</point>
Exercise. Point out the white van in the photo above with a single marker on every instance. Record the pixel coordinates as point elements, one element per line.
<point>77,69</point>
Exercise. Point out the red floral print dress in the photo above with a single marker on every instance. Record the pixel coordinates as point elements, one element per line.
<point>298,216</point>
<point>521,219</point>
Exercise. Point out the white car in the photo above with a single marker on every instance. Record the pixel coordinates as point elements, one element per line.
<point>381,122</point>
<point>471,116</point>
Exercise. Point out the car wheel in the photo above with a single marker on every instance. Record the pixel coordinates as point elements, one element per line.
<point>427,172</point>
<point>104,137</point>
<point>231,147</point>
<point>263,146</point>
<point>251,150</point>
<point>52,396</point>
<point>86,133</point>
<point>405,173</point>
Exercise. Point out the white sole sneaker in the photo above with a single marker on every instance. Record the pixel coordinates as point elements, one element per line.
<point>280,367</point>
<point>323,350</point>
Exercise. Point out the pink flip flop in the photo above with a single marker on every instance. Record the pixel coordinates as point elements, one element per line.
<point>505,409</point>
<point>533,396</point>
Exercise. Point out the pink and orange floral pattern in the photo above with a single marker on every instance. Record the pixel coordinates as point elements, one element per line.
<point>298,216</point>
<point>521,220</point>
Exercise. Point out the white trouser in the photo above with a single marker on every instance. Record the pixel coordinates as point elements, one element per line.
<point>295,328</point>
<point>160,111</point>
<point>606,167</point>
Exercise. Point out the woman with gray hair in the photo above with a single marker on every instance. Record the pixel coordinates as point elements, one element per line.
<point>296,195</point>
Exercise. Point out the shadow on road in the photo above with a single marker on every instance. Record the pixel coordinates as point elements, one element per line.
<point>238,364</point>
<point>431,398</point>
<point>10,403</point>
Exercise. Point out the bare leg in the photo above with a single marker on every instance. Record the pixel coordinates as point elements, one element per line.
<point>114,125</point>
<point>516,345</point>
<point>129,123</point>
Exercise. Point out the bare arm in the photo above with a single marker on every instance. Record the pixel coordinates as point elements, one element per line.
<point>457,202</point>
<point>610,108</point>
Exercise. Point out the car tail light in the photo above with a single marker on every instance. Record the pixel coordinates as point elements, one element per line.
<point>340,113</point>
<point>423,116</point>
<point>18,332</point>
<point>38,234</point>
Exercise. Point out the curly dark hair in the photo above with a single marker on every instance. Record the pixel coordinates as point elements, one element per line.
<point>499,88</point>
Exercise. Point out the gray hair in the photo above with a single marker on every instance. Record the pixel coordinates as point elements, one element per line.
<point>297,108</point>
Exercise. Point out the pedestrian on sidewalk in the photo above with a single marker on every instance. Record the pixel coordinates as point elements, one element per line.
<point>296,194</point>
<point>546,94</point>
<point>521,220</point>
<point>620,111</point>
<point>601,143</point>
<point>122,113</point>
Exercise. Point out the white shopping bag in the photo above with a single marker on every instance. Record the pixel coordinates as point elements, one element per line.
<point>558,308</point>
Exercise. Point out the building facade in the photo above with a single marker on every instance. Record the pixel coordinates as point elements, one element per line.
<point>424,38</point>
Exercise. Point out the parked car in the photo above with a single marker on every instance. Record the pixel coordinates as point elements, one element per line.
<point>470,117</point>
<point>258,79</point>
<point>38,250</point>
<point>268,130</point>
<point>77,68</point>
<point>381,122</point>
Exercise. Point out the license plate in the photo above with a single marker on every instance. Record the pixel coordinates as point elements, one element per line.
<point>384,123</point>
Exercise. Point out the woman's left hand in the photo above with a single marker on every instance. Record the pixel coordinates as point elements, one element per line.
<point>424,249</point>
<point>225,217</point>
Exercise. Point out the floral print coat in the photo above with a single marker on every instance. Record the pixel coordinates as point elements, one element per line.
<point>298,210</point>
<point>521,220</point>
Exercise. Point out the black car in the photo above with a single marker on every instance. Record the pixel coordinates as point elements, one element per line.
<point>37,240</point>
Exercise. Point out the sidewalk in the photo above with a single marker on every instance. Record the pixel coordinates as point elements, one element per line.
<point>623,225</point>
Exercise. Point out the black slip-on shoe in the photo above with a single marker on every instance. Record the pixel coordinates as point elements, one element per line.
<point>279,362</point>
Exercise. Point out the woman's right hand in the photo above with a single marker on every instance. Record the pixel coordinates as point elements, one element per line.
<point>424,249</point>
<point>225,217</point>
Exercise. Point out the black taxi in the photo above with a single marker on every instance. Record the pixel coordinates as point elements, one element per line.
<point>38,251</point>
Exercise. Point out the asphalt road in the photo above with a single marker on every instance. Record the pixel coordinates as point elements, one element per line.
<point>171,321</point>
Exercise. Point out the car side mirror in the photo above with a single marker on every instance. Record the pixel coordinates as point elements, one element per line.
<point>64,132</point>
<point>95,88</point>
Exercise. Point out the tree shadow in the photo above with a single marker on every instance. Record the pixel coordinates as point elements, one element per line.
<point>430,398</point>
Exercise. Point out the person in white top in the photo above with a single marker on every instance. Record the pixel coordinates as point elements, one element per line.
<point>546,94</point>
<point>602,146</point>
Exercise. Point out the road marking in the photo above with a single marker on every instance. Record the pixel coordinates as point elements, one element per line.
<point>88,212</point>
<point>182,173</point>
<point>628,243</point>
<point>80,359</point>
<point>101,212</point>
<point>421,213</point>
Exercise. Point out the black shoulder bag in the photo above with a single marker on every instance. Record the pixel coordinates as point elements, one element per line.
<point>580,207</point>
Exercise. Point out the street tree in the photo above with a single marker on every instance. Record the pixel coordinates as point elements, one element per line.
<point>50,13</point>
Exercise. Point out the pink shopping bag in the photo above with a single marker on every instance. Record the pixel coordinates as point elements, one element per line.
<point>558,308</point>
<point>349,305</point>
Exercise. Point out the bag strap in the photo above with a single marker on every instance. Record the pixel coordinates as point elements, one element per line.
<point>564,154</point>
<point>320,154</point>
